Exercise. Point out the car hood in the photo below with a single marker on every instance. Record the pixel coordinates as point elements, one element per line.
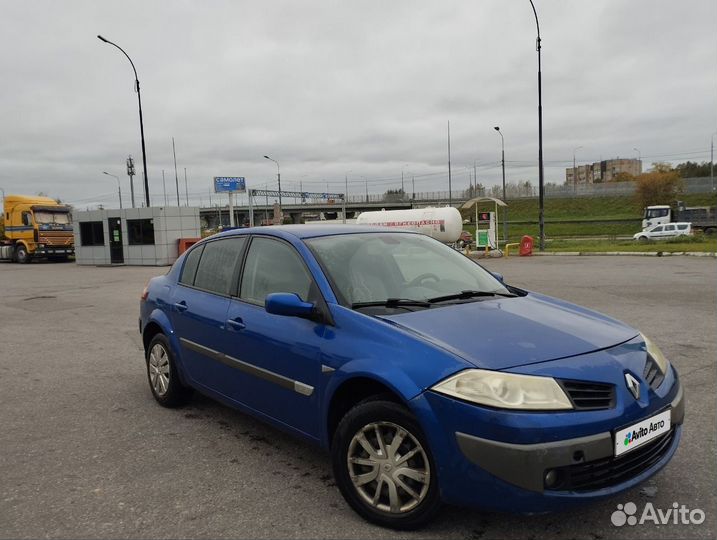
<point>500,333</point>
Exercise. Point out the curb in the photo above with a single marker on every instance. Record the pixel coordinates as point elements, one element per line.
<point>631,253</point>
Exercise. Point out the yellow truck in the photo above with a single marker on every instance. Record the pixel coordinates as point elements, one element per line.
<point>36,227</point>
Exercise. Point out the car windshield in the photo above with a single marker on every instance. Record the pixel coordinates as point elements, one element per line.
<point>62,218</point>
<point>376,267</point>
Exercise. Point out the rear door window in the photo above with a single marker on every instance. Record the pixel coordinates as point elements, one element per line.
<point>669,228</point>
<point>190,266</point>
<point>682,226</point>
<point>219,264</point>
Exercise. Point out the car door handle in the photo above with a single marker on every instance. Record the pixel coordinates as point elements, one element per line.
<point>181,306</point>
<point>236,324</point>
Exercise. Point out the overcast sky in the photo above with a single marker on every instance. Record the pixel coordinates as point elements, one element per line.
<point>363,88</point>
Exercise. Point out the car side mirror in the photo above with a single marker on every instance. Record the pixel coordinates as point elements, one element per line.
<point>290,305</point>
<point>498,276</point>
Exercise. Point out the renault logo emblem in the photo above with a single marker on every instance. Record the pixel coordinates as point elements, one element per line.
<point>633,385</point>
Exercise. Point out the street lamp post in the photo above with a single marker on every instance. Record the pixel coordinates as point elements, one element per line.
<point>502,162</point>
<point>639,157</point>
<point>278,179</point>
<point>141,122</point>
<point>119,187</point>
<point>541,177</point>
<point>575,177</point>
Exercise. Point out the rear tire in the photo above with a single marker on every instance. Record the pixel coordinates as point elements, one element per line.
<point>22,255</point>
<point>377,479</point>
<point>162,374</point>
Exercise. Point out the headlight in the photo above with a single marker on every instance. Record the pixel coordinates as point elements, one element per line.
<point>506,390</point>
<point>654,351</point>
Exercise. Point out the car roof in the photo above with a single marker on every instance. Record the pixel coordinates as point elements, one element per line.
<point>313,231</point>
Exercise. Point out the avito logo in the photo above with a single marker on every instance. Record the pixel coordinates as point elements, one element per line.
<point>677,515</point>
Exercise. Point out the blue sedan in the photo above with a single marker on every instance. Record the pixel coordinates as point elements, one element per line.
<point>426,377</point>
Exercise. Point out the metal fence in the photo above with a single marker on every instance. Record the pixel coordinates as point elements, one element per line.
<point>523,191</point>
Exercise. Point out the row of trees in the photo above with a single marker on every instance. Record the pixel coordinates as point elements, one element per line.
<point>689,169</point>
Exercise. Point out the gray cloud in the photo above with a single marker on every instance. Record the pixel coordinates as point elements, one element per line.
<point>331,87</point>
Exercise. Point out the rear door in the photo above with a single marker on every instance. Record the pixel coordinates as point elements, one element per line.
<point>277,359</point>
<point>199,309</point>
<point>670,231</point>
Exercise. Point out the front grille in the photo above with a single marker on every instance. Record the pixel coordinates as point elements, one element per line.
<point>652,373</point>
<point>589,396</point>
<point>55,238</point>
<point>611,471</point>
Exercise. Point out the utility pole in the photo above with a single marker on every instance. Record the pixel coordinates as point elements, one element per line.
<point>186,186</point>
<point>502,163</point>
<point>164,186</point>
<point>712,161</point>
<point>413,187</point>
<point>575,177</point>
<point>176,177</point>
<point>475,180</point>
<point>130,173</point>
<point>450,194</point>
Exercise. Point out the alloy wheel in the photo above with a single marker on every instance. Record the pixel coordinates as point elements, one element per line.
<point>388,467</point>
<point>159,369</point>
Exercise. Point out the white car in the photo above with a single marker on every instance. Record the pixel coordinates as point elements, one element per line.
<point>668,230</point>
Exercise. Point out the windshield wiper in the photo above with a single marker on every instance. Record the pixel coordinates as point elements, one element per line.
<point>392,302</point>
<point>464,295</point>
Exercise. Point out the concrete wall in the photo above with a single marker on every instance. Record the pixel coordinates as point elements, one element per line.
<point>170,224</point>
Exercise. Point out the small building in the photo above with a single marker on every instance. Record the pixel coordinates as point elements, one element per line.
<point>133,236</point>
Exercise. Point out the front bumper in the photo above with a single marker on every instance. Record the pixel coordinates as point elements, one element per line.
<point>54,251</point>
<point>524,465</point>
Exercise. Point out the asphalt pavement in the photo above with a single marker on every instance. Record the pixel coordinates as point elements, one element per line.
<point>86,452</point>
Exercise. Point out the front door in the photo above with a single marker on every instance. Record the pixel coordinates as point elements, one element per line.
<point>277,358</point>
<point>116,247</point>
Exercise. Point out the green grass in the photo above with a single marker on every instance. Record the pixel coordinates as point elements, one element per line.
<point>570,217</point>
<point>697,243</point>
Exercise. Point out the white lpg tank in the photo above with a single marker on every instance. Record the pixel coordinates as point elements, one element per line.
<point>444,224</point>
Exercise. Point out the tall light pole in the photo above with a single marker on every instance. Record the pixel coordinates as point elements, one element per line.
<point>541,176</point>
<point>502,163</point>
<point>450,190</point>
<point>119,187</point>
<point>141,122</point>
<point>176,176</point>
<point>639,157</point>
<point>575,177</point>
<point>278,179</point>
<point>712,160</point>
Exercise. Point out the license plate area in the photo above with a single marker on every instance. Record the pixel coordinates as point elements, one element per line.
<point>635,435</point>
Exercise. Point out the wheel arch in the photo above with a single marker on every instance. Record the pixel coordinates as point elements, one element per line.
<point>159,323</point>
<point>351,391</point>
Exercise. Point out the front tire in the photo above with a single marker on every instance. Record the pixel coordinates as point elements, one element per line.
<point>22,255</point>
<point>162,374</point>
<point>383,466</point>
